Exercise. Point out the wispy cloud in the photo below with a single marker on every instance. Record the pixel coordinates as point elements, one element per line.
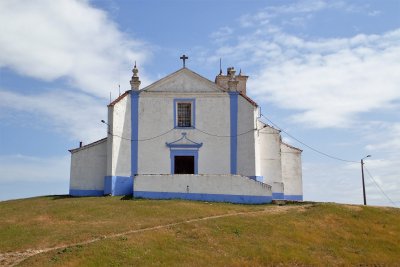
<point>326,83</point>
<point>17,168</point>
<point>74,114</point>
<point>67,39</point>
<point>298,12</point>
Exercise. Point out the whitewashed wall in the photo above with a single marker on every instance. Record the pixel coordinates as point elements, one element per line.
<point>246,143</point>
<point>119,149</point>
<point>88,167</point>
<point>156,116</point>
<point>199,184</point>
<point>269,147</point>
<point>291,170</point>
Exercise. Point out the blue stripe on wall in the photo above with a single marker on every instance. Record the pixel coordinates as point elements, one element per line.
<point>134,131</point>
<point>240,199</point>
<point>86,193</point>
<point>294,197</point>
<point>233,97</point>
<point>278,195</point>
<point>107,185</point>
<point>118,185</point>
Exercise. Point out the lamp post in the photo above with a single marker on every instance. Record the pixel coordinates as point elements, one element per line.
<point>362,176</point>
<point>108,126</point>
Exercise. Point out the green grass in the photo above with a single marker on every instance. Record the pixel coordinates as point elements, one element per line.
<point>312,235</point>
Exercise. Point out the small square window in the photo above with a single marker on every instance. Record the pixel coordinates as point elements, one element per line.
<point>184,113</point>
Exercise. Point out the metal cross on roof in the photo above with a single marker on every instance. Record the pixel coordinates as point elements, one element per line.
<point>184,57</point>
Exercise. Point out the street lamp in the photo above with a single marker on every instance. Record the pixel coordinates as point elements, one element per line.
<point>108,126</point>
<point>362,175</point>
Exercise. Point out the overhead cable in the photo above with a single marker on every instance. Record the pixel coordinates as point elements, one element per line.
<point>380,188</point>
<point>314,149</point>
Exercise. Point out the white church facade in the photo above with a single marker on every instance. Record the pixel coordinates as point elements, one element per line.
<point>187,137</point>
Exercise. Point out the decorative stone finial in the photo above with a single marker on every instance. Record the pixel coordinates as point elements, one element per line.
<point>233,82</point>
<point>135,82</point>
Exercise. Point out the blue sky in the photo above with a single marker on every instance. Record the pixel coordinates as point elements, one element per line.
<point>327,72</point>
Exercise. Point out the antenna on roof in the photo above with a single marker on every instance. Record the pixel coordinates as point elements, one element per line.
<point>119,89</point>
<point>220,66</point>
<point>110,97</point>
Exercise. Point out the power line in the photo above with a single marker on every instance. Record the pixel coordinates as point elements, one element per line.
<point>215,135</point>
<point>314,149</point>
<point>140,140</point>
<point>380,188</point>
<point>164,133</point>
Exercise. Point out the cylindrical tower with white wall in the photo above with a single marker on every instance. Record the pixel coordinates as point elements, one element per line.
<point>291,172</point>
<point>269,146</point>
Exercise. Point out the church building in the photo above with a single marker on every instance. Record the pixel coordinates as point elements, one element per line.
<point>187,137</point>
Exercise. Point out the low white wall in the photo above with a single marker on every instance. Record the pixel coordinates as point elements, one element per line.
<point>291,171</point>
<point>201,184</point>
<point>88,167</point>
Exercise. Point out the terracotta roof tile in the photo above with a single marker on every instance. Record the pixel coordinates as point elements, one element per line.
<point>88,145</point>
<point>118,99</point>
<point>249,99</point>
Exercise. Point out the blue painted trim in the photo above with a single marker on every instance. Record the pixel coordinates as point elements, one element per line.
<point>242,199</point>
<point>184,145</point>
<point>118,185</point>
<point>294,197</point>
<point>278,196</point>
<point>186,100</point>
<point>233,97</point>
<point>85,193</point>
<point>257,178</point>
<point>134,131</point>
<point>107,185</point>
<point>184,152</point>
<point>176,144</point>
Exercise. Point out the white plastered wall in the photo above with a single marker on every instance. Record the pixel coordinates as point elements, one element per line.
<point>210,184</point>
<point>245,143</point>
<point>156,116</point>
<point>119,149</point>
<point>88,167</point>
<point>291,170</point>
<point>269,152</point>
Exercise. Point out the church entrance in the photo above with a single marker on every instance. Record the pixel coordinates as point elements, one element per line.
<point>184,165</point>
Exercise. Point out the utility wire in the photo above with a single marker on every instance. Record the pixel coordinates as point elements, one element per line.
<point>164,133</point>
<point>215,135</point>
<point>140,140</point>
<point>380,188</point>
<point>315,150</point>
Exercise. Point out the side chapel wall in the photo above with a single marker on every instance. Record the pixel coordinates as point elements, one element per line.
<point>88,167</point>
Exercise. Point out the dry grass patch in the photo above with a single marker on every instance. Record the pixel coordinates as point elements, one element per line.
<point>258,235</point>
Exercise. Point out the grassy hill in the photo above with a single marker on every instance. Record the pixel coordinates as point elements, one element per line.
<point>110,231</point>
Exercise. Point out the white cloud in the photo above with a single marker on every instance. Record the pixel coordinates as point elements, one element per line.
<point>329,82</point>
<point>299,12</point>
<point>69,39</point>
<point>342,182</point>
<point>75,114</point>
<point>17,168</point>
<point>222,34</point>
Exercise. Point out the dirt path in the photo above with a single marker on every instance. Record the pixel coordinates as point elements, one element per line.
<point>13,258</point>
